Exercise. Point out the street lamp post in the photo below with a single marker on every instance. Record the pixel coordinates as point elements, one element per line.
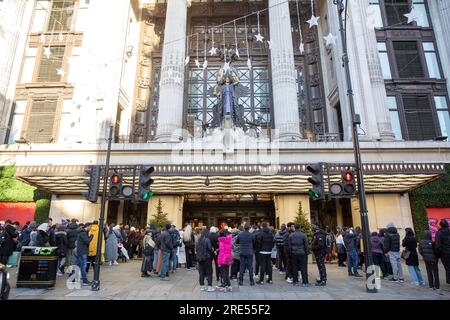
<point>356,149</point>
<point>96,281</point>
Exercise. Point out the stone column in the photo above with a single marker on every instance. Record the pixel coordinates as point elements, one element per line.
<point>376,76</point>
<point>284,89</point>
<point>440,17</point>
<point>170,116</point>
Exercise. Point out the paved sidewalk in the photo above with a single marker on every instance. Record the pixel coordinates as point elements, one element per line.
<point>123,282</point>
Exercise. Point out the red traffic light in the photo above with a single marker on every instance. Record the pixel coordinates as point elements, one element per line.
<point>115,179</point>
<point>348,176</point>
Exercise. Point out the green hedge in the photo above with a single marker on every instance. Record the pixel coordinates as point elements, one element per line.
<point>433,195</point>
<point>13,190</point>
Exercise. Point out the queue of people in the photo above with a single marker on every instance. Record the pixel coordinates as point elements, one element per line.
<point>233,254</point>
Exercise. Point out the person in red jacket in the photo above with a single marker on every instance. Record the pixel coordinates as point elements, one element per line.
<point>225,259</point>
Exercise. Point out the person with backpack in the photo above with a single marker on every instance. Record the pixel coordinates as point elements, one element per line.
<point>320,246</point>
<point>428,251</point>
<point>204,257</point>
<point>189,245</point>
<point>25,236</point>
<point>443,247</point>
<point>166,247</point>
<point>8,238</point>
<point>147,251</point>
<point>176,244</point>
<point>281,261</point>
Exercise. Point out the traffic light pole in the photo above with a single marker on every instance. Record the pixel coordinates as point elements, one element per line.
<point>96,281</point>
<point>357,150</point>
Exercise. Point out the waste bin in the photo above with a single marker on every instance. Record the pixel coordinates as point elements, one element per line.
<point>38,267</point>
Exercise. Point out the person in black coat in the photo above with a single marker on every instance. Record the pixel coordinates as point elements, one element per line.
<point>428,252</point>
<point>8,239</point>
<point>319,248</point>
<point>82,248</point>
<point>299,248</point>
<point>265,241</point>
<point>42,237</point>
<point>214,239</point>
<point>61,243</point>
<point>412,261</point>
<point>443,246</point>
<point>287,253</point>
<point>246,242</point>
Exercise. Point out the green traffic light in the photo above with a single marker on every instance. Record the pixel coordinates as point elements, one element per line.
<point>148,195</point>
<point>314,194</point>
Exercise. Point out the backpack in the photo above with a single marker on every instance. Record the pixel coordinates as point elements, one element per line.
<point>3,238</point>
<point>176,239</point>
<point>329,243</point>
<point>201,250</point>
<point>148,250</point>
<point>319,243</point>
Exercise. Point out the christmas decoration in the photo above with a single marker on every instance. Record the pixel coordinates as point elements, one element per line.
<point>271,44</point>
<point>60,72</point>
<point>259,37</point>
<point>413,16</point>
<point>330,40</point>
<point>47,52</point>
<point>314,21</point>
<point>302,45</point>
<point>213,50</point>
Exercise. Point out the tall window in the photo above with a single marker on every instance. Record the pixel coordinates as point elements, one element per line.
<point>420,7</point>
<point>61,15</point>
<point>384,60</point>
<point>419,117</point>
<point>48,66</point>
<point>41,121</point>
<point>375,11</point>
<point>442,110</point>
<point>408,59</point>
<point>256,104</point>
<point>15,128</point>
<point>395,10</point>
<point>391,102</point>
<point>431,60</point>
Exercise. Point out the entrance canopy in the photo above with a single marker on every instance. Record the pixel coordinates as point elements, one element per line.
<point>225,179</point>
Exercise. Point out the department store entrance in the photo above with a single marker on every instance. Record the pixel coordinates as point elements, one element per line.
<point>233,210</point>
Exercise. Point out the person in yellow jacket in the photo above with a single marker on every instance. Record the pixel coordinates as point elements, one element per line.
<point>93,245</point>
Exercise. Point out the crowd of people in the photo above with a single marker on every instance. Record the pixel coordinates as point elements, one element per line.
<point>232,254</point>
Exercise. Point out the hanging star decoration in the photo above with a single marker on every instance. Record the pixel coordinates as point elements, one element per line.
<point>186,61</point>
<point>249,63</point>
<point>213,51</point>
<point>302,48</point>
<point>314,21</point>
<point>259,37</point>
<point>226,67</point>
<point>47,52</point>
<point>237,53</point>
<point>197,63</point>
<point>271,44</point>
<point>413,16</point>
<point>330,40</point>
<point>60,72</point>
<point>205,64</point>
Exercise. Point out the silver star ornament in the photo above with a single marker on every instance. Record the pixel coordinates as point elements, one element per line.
<point>314,21</point>
<point>259,37</point>
<point>413,16</point>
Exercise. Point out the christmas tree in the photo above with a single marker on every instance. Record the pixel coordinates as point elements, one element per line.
<point>305,225</point>
<point>159,218</point>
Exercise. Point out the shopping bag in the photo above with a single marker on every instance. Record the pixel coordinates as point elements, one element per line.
<point>125,253</point>
<point>159,263</point>
<point>13,259</point>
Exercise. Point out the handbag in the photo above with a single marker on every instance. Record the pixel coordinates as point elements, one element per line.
<point>405,254</point>
<point>13,259</point>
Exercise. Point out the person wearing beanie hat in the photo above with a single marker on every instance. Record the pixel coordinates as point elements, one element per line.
<point>166,247</point>
<point>214,239</point>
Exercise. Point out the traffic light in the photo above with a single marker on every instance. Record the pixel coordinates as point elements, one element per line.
<point>317,191</point>
<point>115,185</point>
<point>145,181</point>
<point>93,172</point>
<point>348,183</point>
